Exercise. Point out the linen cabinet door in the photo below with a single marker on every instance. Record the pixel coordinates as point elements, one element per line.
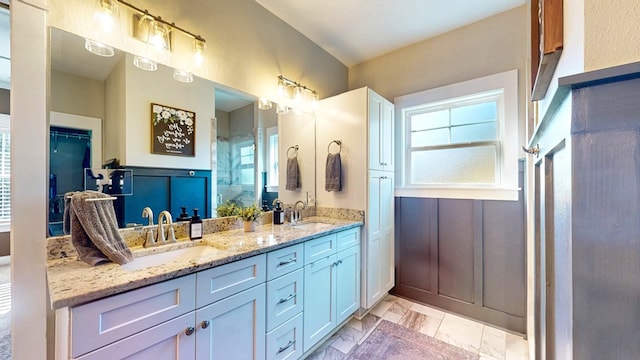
<point>233,328</point>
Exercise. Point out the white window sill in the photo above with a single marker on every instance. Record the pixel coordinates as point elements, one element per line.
<point>5,227</point>
<point>473,193</point>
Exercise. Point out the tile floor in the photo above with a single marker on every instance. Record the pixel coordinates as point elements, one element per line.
<point>490,343</point>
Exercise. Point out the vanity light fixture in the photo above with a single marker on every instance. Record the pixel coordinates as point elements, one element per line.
<point>155,30</point>
<point>294,94</point>
<point>282,109</point>
<point>98,48</point>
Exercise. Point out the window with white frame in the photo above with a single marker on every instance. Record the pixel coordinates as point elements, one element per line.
<point>5,173</point>
<point>460,141</point>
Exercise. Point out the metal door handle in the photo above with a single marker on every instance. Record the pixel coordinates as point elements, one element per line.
<point>289,344</point>
<point>284,300</point>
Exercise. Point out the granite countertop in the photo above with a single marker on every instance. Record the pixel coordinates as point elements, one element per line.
<point>72,282</point>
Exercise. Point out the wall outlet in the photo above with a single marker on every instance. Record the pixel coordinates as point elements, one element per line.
<point>311,198</point>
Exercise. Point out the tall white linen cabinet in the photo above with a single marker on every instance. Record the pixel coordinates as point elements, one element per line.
<point>362,121</point>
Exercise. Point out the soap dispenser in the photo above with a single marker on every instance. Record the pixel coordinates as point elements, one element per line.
<point>195,226</point>
<point>183,215</point>
<point>278,213</point>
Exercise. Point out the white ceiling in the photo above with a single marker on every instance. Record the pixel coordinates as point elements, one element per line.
<point>354,31</point>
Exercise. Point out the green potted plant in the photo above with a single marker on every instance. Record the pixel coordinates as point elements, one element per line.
<point>229,208</point>
<point>250,215</point>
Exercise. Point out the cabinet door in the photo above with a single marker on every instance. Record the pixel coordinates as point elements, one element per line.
<point>347,283</point>
<point>381,115</point>
<point>167,341</point>
<point>380,240</point>
<point>319,300</point>
<point>233,328</point>
<point>386,255</point>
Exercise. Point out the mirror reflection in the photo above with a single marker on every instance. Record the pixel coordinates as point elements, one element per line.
<point>100,115</point>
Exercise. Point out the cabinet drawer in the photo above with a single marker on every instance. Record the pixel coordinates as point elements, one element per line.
<point>348,238</point>
<point>165,341</point>
<point>285,342</point>
<point>319,248</point>
<point>284,298</point>
<point>104,321</point>
<point>284,261</point>
<point>220,282</point>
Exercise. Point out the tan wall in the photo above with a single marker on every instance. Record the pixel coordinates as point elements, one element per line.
<point>612,33</point>
<point>77,95</point>
<point>487,47</point>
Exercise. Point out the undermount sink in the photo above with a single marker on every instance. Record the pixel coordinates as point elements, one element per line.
<point>311,226</point>
<point>162,258</point>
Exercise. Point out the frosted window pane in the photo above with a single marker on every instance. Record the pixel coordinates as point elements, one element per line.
<point>430,120</point>
<point>476,132</point>
<point>475,165</point>
<point>475,113</point>
<point>430,137</point>
<point>246,176</point>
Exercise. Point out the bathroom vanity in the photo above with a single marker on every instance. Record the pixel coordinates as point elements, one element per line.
<point>270,294</point>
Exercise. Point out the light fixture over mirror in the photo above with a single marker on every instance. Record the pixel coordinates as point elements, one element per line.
<point>294,95</point>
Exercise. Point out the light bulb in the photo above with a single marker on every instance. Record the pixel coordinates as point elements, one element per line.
<point>297,97</point>
<point>280,87</point>
<point>158,35</point>
<point>103,19</point>
<point>198,53</point>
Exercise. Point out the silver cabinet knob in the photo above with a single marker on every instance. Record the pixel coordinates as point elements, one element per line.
<point>189,330</point>
<point>205,324</point>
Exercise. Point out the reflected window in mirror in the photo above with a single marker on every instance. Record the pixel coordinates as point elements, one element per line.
<point>247,154</point>
<point>272,160</point>
<point>5,171</point>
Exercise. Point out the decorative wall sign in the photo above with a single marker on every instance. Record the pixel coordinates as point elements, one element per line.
<point>173,131</point>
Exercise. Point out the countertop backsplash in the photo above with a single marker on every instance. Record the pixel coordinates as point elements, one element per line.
<point>59,247</point>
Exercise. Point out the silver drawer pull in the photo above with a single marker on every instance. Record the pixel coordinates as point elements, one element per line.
<point>289,344</point>
<point>282,301</point>
<point>189,330</point>
<point>292,260</point>
<point>205,324</point>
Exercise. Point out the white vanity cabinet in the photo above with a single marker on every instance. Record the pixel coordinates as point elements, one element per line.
<point>331,283</point>
<point>276,305</point>
<point>207,315</point>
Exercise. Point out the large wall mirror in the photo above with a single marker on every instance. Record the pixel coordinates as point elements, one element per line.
<point>101,116</point>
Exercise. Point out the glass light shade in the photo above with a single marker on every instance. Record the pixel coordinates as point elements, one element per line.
<point>280,87</point>
<point>264,104</point>
<point>158,35</point>
<point>98,48</point>
<point>144,63</point>
<point>104,19</point>
<point>198,53</point>
<point>183,76</point>
<point>297,95</point>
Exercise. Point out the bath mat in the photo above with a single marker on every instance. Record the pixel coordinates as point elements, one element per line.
<point>390,341</point>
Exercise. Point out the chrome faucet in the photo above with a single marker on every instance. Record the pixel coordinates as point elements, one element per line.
<point>150,236</point>
<point>160,237</point>
<point>296,214</point>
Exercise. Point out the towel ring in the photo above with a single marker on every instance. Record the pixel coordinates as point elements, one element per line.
<point>295,148</point>
<point>339,142</point>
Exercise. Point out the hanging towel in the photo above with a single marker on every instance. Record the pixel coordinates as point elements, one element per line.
<point>66,213</point>
<point>333,173</point>
<point>293,174</point>
<point>94,230</point>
